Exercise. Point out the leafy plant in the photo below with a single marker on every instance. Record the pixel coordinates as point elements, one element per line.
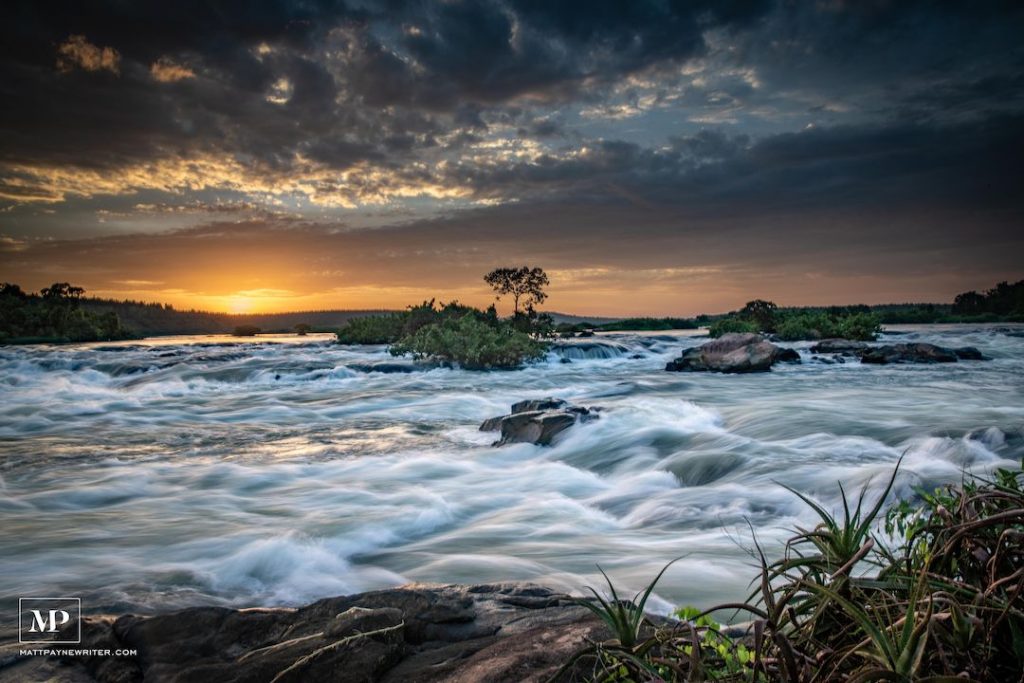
<point>472,344</point>
<point>944,601</point>
<point>623,618</point>
<point>373,329</point>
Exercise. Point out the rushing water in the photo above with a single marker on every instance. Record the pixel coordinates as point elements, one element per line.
<point>198,470</point>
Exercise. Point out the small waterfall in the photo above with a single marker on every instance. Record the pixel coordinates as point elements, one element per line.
<point>588,350</point>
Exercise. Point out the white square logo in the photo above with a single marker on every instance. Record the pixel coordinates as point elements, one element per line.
<point>43,620</point>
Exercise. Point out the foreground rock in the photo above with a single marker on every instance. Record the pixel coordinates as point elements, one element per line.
<point>733,353</point>
<point>537,421</point>
<point>917,353</point>
<point>494,632</point>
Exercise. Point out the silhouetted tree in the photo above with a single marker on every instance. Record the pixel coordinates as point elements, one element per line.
<point>62,291</point>
<point>761,312</point>
<point>525,285</point>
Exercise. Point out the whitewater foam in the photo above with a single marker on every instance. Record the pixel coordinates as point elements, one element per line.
<point>191,471</point>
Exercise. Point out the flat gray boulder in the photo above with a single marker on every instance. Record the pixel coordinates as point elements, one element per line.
<point>733,353</point>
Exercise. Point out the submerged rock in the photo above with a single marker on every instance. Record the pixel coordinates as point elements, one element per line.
<point>496,633</point>
<point>733,353</point>
<point>537,421</point>
<point>786,355</point>
<point>393,367</point>
<point>968,353</point>
<point>894,353</point>
<point>847,346</point>
<point>907,353</point>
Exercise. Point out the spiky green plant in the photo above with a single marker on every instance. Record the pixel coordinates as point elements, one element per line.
<point>624,618</point>
<point>942,604</point>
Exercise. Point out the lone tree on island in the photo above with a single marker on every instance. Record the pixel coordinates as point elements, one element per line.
<point>525,285</point>
<point>761,312</point>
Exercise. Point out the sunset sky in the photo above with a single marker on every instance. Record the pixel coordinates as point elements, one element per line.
<point>655,157</point>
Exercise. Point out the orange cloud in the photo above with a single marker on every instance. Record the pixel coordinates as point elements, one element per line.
<point>77,52</point>
<point>166,70</point>
<point>361,185</point>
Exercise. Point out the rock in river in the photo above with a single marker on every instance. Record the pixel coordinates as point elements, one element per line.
<point>844,346</point>
<point>908,353</point>
<point>733,353</point>
<point>537,421</point>
<point>968,353</point>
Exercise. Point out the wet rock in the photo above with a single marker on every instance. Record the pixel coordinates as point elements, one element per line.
<point>494,633</point>
<point>538,427</point>
<point>533,405</point>
<point>492,424</point>
<point>391,367</point>
<point>537,421</point>
<point>968,353</point>
<point>500,632</point>
<point>733,353</point>
<point>907,353</point>
<point>785,355</point>
<point>847,346</point>
<point>362,620</point>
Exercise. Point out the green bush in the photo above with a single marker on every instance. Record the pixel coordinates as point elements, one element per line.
<point>729,325</point>
<point>246,331</point>
<point>373,329</point>
<point>807,326</point>
<point>392,327</point>
<point>472,343</point>
<point>798,326</point>
<point>860,326</point>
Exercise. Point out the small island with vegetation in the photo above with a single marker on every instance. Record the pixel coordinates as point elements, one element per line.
<point>472,338</point>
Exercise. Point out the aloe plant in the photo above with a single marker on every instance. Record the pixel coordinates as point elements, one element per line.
<point>624,618</point>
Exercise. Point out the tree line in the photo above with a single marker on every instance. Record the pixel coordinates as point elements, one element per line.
<point>55,314</point>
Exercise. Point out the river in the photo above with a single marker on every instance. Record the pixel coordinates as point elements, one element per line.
<point>201,470</point>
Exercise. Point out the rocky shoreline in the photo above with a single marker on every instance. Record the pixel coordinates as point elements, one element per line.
<point>496,633</point>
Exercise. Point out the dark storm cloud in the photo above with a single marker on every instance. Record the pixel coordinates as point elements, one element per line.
<point>341,65</point>
<point>491,52</point>
<point>674,122</point>
<point>382,81</point>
